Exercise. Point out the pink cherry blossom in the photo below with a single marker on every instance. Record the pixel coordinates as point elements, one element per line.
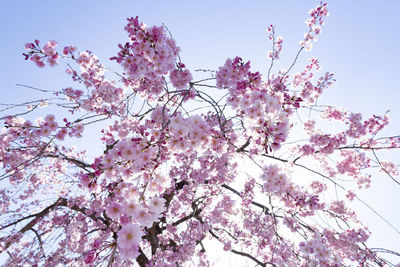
<point>156,205</point>
<point>114,210</point>
<point>129,235</point>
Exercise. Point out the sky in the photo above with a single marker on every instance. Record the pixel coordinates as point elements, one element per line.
<point>359,43</point>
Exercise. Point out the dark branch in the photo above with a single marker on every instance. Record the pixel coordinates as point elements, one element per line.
<point>264,208</point>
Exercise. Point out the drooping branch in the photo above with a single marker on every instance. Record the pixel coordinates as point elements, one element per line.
<point>39,240</point>
<point>142,259</point>
<point>61,202</point>
<point>77,162</point>
<point>263,207</point>
<point>241,253</point>
<point>187,217</point>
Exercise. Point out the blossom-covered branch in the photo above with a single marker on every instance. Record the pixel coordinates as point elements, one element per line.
<point>234,156</point>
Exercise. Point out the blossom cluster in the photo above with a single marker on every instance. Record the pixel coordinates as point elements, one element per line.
<point>358,128</point>
<point>150,55</point>
<point>263,111</point>
<point>233,74</point>
<point>328,143</point>
<point>38,55</point>
<point>180,77</point>
<point>314,247</point>
<point>189,133</point>
<point>314,23</point>
<point>275,180</point>
<point>276,45</point>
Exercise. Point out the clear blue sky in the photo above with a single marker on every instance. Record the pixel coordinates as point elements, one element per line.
<point>359,43</point>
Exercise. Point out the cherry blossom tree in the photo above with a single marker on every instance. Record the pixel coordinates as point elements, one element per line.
<point>187,157</point>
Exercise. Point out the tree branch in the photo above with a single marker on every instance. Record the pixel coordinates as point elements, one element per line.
<point>61,202</point>
<point>244,254</point>
<point>264,208</point>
